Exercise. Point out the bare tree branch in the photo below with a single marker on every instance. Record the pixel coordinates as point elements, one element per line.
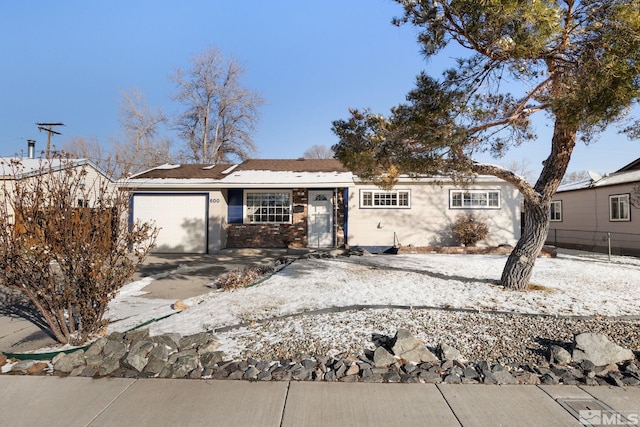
<point>219,113</point>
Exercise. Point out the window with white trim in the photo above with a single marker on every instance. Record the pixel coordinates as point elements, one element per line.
<point>474,199</point>
<point>619,207</point>
<point>268,207</point>
<point>555,214</point>
<point>385,199</point>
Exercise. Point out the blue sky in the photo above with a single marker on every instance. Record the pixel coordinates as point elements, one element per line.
<point>66,61</point>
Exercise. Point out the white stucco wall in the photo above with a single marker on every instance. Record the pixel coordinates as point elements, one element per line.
<point>428,220</point>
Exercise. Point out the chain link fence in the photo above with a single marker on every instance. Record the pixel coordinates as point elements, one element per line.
<point>613,243</point>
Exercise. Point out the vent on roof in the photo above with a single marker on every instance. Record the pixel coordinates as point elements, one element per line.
<point>167,166</point>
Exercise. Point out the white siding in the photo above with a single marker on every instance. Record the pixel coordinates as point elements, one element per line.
<point>585,221</point>
<point>428,220</point>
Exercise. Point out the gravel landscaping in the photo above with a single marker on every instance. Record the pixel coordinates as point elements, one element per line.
<point>324,318</point>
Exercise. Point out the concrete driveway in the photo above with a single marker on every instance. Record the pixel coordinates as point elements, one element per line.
<point>183,276</point>
<point>176,277</point>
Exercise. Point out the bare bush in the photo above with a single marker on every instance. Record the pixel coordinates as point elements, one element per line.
<point>242,278</point>
<point>469,230</point>
<point>65,243</point>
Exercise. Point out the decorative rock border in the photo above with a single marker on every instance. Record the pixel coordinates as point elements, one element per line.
<point>546,252</point>
<point>398,359</point>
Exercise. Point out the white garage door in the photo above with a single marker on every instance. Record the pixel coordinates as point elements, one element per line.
<point>182,220</point>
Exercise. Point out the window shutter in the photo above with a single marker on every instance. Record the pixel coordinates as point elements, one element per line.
<point>234,212</point>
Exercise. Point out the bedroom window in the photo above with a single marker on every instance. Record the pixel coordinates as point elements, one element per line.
<point>385,199</point>
<point>555,214</point>
<point>475,199</point>
<point>268,206</point>
<point>619,207</point>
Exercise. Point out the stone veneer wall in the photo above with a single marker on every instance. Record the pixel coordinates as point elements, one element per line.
<point>292,235</point>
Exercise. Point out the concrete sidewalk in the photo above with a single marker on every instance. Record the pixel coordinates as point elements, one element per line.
<point>54,401</point>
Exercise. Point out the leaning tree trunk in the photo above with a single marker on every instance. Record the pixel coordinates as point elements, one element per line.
<point>519,267</point>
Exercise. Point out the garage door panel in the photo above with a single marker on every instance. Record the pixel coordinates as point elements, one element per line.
<point>182,220</point>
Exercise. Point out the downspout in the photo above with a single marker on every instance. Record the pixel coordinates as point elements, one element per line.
<point>345,227</point>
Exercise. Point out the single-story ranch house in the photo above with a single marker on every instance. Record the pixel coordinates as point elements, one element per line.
<point>305,203</point>
<point>14,169</point>
<point>599,212</point>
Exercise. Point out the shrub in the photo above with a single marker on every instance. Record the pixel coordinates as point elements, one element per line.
<point>469,230</point>
<point>242,278</point>
<point>65,243</point>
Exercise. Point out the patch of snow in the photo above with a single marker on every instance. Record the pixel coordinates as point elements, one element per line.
<point>572,285</point>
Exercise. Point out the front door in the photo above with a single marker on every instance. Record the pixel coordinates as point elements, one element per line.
<point>320,219</point>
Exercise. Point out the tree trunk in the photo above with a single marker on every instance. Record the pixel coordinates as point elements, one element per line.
<point>519,267</point>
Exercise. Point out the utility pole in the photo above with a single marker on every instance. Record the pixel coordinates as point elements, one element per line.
<point>48,127</point>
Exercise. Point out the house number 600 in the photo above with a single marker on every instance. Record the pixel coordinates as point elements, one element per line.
<point>214,200</point>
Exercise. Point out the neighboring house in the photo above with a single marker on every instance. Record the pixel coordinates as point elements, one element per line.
<point>308,203</point>
<point>599,213</point>
<point>13,169</point>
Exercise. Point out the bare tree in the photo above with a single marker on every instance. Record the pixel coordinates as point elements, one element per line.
<point>318,152</point>
<point>142,147</point>
<point>83,148</point>
<point>89,148</point>
<point>521,168</point>
<point>575,176</point>
<point>219,114</point>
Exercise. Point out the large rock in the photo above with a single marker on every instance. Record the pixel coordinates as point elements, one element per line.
<point>68,362</point>
<point>138,355</point>
<point>598,349</point>
<point>108,366</point>
<point>169,340</point>
<point>500,377</point>
<point>155,365</point>
<point>208,360</point>
<point>410,349</point>
<point>135,335</point>
<point>559,355</point>
<point>114,349</point>
<point>382,358</point>
<point>446,352</point>
<point>209,347</point>
<point>184,365</point>
<point>96,347</point>
<point>195,341</point>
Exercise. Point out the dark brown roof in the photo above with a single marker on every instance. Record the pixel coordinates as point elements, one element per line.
<point>195,171</point>
<point>293,165</point>
<point>199,171</point>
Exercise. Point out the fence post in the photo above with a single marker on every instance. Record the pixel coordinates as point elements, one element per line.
<point>609,244</point>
